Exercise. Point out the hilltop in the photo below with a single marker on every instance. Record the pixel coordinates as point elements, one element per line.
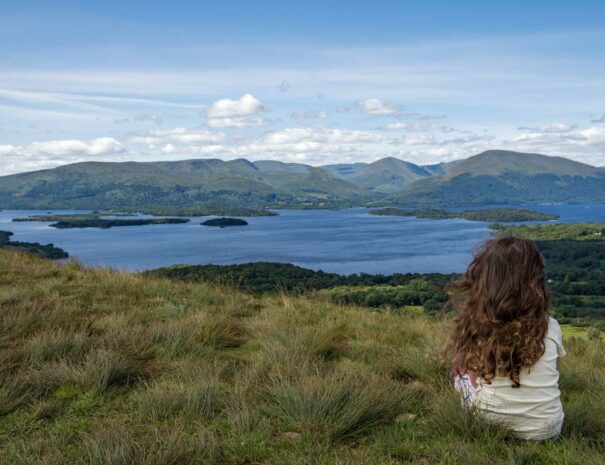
<point>212,185</point>
<point>386,175</point>
<point>186,184</point>
<point>504,177</point>
<point>100,367</point>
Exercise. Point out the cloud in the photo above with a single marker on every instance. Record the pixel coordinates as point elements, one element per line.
<point>73,147</point>
<point>376,107</point>
<point>284,86</point>
<point>418,127</point>
<point>599,120</point>
<point>302,145</point>
<point>302,114</point>
<point>178,135</point>
<point>419,139</point>
<point>143,118</point>
<point>321,135</point>
<point>48,154</point>
<point>342,109</point>
<point>168,148</point>
<point>227,113</point>
<point>550,128</point>
<point>227,108</point>
<point>236,122</point>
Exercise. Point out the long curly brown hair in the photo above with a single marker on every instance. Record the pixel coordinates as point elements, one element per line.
<point>502,311</point>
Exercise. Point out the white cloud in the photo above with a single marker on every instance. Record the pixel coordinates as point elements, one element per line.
<point>376,107</point>
<point>418,127</point>
<point>322,135</point>
<point>7,149</point>
<point>227,108</point>
<point>228,113</point>
<point>168,148</point>
<point>593,135</point>
<point>178,135</point>
<point>302,114</point>
<point>551,128</point>
<point>419,139</point>
<point>74,147</point>
<point>342,109</point>
<point>236,122</point>
<point>48,154</point>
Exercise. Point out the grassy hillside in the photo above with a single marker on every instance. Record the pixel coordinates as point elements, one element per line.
<point>100,367</point>
<point>503,177</point>
<point>498,162</point>
<point>176,185</point>
<point>386,175</point>
<point>216,186</point>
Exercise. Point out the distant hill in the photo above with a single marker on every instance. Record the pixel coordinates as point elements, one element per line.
<point>173,184</point>
<point>500,162</point>
<point>387,175</point>
<point>502,177</point>
<point>492,177</point>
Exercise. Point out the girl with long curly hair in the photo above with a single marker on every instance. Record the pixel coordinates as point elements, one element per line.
<point>503,345</point>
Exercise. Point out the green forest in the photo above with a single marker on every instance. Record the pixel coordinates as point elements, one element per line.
<point>490,214</point>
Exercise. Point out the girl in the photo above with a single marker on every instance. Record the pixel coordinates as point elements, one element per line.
<point>504,346</point>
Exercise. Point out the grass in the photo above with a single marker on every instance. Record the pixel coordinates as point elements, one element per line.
<point>99,367</point>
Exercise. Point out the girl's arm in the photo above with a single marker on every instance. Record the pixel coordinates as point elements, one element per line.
<point>461,371</point>
<point>473,377</point>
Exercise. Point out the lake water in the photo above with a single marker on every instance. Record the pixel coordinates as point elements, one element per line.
<point>345,241</point>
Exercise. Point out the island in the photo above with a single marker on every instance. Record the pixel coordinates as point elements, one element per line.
<point>209,211</point>
<point>50,217</point>
<point>105,223</point>
<point>553,232</point>
<point>224,222</point>
<point>43,250</point>
<point>491,214</point>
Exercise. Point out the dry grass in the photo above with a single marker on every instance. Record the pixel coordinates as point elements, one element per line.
<point>99,367</point>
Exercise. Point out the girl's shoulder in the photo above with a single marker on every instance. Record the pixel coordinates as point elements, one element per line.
<point>556,335</point>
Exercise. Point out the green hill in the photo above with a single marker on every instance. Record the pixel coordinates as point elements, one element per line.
<point>100,367</point>
<point>179,184</point>
<point>386,175</point>
<point>501,177</point>
<point>211,185</point>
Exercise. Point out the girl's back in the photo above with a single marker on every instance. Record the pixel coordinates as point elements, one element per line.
<point>533,410</point>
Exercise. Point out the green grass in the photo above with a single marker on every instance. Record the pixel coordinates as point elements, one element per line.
<point>99,367</point>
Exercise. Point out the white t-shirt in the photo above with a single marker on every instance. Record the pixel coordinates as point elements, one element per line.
<point>533,410</point>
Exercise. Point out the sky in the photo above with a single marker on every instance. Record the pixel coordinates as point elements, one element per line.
<point>316,82</point>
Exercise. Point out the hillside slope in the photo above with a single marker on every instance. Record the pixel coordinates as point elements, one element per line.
<point>386,175</point>
<point>492,177</point>
<point>502,177</point>
<point>100,367</point>
<point>187,183</point>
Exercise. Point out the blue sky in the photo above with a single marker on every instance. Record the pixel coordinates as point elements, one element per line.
<point>310,82</point>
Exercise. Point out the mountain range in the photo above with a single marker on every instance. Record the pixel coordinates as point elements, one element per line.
<point>491,177</point>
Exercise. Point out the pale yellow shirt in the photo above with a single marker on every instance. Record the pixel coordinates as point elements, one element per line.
<point>532,411</point>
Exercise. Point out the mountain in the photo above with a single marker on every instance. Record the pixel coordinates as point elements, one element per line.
<point>504,177</point>
<point>182,184</point>
<point>500,162</point>
<point>387,175</point>
<point>491,177</point>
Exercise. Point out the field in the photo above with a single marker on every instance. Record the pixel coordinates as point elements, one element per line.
<point>100,367</point>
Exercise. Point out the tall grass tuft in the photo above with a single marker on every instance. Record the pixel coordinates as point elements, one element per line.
<point>449,419</point>
<point>333,405</point>
<point>222,332</point>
